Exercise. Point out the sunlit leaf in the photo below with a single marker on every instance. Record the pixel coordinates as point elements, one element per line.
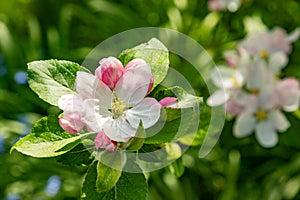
<point>47,139</point>
<point>51,79</point>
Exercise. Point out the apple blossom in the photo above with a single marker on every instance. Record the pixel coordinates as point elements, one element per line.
<point>110,105</point>
<point>218,5</point>
<point>264,121</point>
<point>229,81</point>
<point>267,43</point>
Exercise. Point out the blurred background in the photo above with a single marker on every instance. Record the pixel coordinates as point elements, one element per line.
<point>235,169</point>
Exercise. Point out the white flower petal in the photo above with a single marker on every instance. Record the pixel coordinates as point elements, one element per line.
<point>244,125</point>
<point>289,94</point>
<point>277,61</point>
<point>218,98</point>
<point>91,116</point>
<point>90,87</point>
<point>147,111</point>
<point>225,77</point>
<point>70,103</point>
<point>280,121</point>
<point>133,85</point>
<point>119,129</point>
<point>293,36</point>
<point>266,134</point>
<point>256,74</point>
<point>85,84</point>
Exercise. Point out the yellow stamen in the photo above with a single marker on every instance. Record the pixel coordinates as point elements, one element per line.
<point>118,107</point>
<point>261,115</point>
<point>264,53</point>
<point>235,82</point>
<point>254,91</point>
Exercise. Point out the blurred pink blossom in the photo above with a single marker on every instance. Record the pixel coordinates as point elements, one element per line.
<point>220,5</point>
<point>266,43</point>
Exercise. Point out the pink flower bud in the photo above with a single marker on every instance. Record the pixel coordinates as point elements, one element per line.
<point>150,85</point>
<point>137,62</point>
<point>102,141</point>
<point>71,122</point>
<point>110,71</point>
<point>169,102</point>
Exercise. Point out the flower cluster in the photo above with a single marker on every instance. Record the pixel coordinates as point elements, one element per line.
<point>220,5</point>
<point>112,102</point>
<point>251,89</point>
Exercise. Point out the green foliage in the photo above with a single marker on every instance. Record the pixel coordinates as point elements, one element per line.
<point>69,30</point>
<point>47,139</point>
<point>109,169</point>
<point>129,186</point>
<point>52,79</point>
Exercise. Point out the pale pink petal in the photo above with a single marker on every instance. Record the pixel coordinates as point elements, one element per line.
<point>280,121</point>
<point>119,129</point>
<point>256,75</point>
<point>133,85</point>
<point>84,85</point>
<point>89,87</point>
<point>292,37</point>
<point>70,103</point>
<point>215,5</point>
<point>233,108</point>
<point>266,134</point>
<point>147,111</point>
<point>218,98</point>
<point>232,58</point>
<point>137,62</point>
<point>94,116</point>
<point>170,102</point>
<point>71,122</point>
<point>244,125</point>
<point>110,71</point>
<point>277,61</point>
<point>102,141</point>
<point>289,94</point>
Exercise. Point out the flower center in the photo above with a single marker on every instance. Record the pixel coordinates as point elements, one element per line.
<point>264,53</point>
<point>254,91</point>
<point>235,82</point>
<point>261,115</point>
<point>118,107</point>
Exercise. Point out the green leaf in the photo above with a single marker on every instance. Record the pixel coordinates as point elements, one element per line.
<point>154,53</point>
<point>79,155</point>
<point>51,79</point>
<point>137,141</point>
<point>47,139</point>
<point>177,167</point>
<point>107,176</point>
<point>175,123</point>
<point>129,186</point>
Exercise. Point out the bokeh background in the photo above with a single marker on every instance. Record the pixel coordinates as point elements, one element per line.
<point>42,29</point>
